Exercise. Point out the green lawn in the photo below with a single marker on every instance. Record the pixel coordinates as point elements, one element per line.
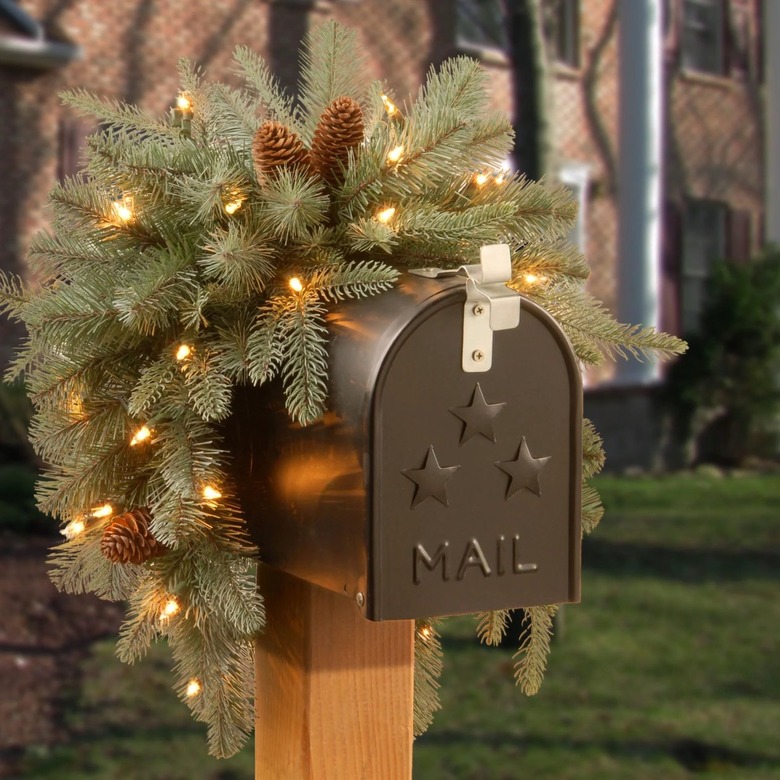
<point>669,669</point>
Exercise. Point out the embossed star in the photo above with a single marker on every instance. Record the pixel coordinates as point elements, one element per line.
<point>431,480</point>
<point>478,417</point>
<point>524,471</point>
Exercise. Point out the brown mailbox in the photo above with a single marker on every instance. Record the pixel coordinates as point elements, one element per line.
<point>445,477</point>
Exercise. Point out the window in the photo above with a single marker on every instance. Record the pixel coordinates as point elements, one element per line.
<point>562,31</point>
<point>703,244</point>
<point>481,24</point>
<point>702,39</point>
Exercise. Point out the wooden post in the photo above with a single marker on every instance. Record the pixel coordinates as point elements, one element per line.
<point>334,695</point>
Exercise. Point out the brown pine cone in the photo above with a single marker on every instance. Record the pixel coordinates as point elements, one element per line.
<point>340,129</point>
<point>275,144</point>
<point>128,539</point>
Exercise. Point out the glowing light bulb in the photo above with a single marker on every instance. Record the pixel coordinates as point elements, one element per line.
<point>233,206</point>
<point>296,284</point>
<point>73,529</point>
<point>506,169</point>
<point>481,179</point>
<point>170,609</point>
<point>75,404</point>
<point>394,155</point>
<point>194,687</point>
<point>183,102</point>
<point>103,511</point>
<point>534,278</point>
<point>123,209</point>
<point>183,352</point>
<point>390,107</point>
<point>142,434</point>
<point>210,493</point>
<point>385,215</point>
<point>425,632</point>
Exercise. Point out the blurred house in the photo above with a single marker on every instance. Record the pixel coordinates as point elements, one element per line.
<point>682,82</point>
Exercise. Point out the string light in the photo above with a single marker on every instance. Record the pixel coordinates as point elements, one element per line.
<point>385,215</point>
<point>481,179</point>
<point>425,632</point>
<point>123,208</point>
<point>394,155</point>
<point>183,352</point>
<point>106,510</point>
<point>141,435</point>
<point>210,493</point>
<point>296,284</point>
<point>194,687</point>
<point>73,529</point>
<point>170,609</point>
<point>183,102</point>
<point>75,404</point>
<point>233,206</point>
<point>505,169</point>
<point>390,107</point>
<point>534,278</point>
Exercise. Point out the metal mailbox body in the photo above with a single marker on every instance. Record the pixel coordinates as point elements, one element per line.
<point>427,489</point>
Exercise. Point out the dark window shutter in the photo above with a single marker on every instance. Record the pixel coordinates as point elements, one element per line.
<point>72,140</point>
<point>671,257</point>
<point>738,236</point>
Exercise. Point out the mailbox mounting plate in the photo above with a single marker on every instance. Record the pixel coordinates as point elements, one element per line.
<point>490,304</point>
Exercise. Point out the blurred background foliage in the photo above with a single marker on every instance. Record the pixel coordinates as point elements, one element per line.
<point>725,392</point>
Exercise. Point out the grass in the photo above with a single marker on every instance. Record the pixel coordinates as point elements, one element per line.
<point>668,669</point>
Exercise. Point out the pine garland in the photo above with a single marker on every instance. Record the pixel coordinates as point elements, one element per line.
<point>191,258</point>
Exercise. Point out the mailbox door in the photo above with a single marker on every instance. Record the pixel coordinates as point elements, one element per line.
<point>475,477</point>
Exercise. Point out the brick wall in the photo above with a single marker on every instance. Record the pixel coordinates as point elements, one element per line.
<point>131,49</point>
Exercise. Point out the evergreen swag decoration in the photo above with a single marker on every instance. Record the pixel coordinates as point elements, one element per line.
<point>168,281</point>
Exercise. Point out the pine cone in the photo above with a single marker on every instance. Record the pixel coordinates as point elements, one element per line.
<point>127,538</point>
<point>275,144</point>
<point>340,129</point>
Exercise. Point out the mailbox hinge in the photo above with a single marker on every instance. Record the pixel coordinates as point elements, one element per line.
<point>490,304</point>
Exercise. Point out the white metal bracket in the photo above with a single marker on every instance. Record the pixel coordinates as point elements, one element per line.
<point>490,304</point>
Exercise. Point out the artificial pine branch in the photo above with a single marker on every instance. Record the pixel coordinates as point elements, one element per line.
<point>531,658</point>
<point>331,67</point>
<point>428,665</point>
<point>592,450</point>
<point>592,508</point>
<point>275,104</point>
<point>492,626</point>
<point>116,115</point>
<point>13,296</point>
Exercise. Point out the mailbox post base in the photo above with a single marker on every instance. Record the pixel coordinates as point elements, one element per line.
<point>334,696</point>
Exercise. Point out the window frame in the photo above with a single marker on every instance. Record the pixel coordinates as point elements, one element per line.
<point>690,59</point>
<point>696,265</point>
<point>563,33</point>
<point>480,43</point>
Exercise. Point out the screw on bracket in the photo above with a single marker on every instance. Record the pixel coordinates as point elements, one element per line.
<point>478,310</point>
<point>477,355</point>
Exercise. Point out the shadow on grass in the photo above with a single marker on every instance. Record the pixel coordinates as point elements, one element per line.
<point>694,565</point>
<point>694,755</point>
